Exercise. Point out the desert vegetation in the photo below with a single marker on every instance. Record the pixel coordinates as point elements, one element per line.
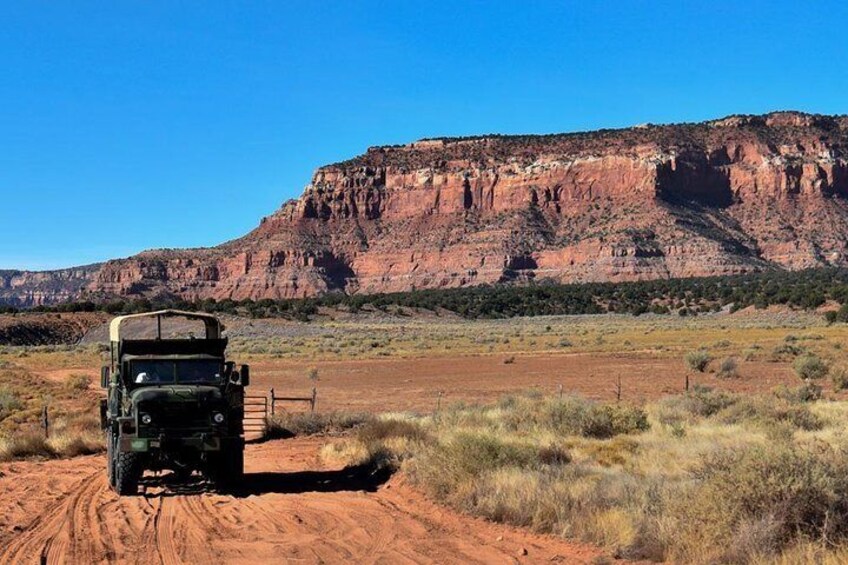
<point>73,426</point>
<point>804,290</point>
<point>698,360</point>
<point>810,366</point>
<point>290,424</point>
<point>703,477</point>
<point>747,351</point>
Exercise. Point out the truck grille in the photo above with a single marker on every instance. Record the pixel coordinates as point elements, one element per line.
<point>180,416</point>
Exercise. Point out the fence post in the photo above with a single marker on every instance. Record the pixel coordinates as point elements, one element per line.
<point>45,422</point>
<point>272,400</point>
<point>618,389</point>
<point>686,385</point>
<point>560,393</point>
<point>314,398</point>
<point>439,402</point>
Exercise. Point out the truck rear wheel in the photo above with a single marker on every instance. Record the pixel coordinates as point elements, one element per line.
<point>127,473</point>
<point>226,468</point>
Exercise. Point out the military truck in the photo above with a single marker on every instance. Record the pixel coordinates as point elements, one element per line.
<point>172,404</point>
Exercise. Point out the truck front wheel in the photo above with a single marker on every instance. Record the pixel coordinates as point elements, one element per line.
<point>226,468</point>
<point>127,473</point>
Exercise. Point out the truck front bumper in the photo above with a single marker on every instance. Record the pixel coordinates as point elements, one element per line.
<point>202,443</point>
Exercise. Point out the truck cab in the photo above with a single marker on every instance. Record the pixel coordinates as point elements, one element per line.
<point>174,404</point>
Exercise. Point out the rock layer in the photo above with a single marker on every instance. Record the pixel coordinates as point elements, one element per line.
<point>730,196</point>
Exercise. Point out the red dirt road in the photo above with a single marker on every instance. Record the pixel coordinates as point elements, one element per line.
<point>291,510</point>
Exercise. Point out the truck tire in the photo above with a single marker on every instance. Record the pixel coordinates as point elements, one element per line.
<point>182,474</point>
<point>110,457</point>
<point>226,469</point>
<point>127,473</point>
<point>237,467</point>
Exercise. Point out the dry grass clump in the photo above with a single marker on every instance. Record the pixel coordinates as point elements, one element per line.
<point>571,415</point>
<point>698,360</point>
<point>839,377</point>
<point>449,467</point>
<point>770,414</point>
<point>78,434</point>
<point>785,407</point>
<point>810,366</point>
<point>290,424</point>
<point>26,445</point>
<point>376,430</point>
<point>77,383</point>
<point>379,442</point>
<point>751,503</point>
<point>700,402</point>
<point>729,368</point>
<point>35,445</point>
<point>786,352</point>
<point>806,392</point>
<point>69,437</point>
<point>9,402</point>
<point>751,353</point>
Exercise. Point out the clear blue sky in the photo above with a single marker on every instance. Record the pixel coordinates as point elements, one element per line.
<point>133,125</point>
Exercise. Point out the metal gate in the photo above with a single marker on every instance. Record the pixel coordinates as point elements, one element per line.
<point>255,415</point>
<point>259,407</point>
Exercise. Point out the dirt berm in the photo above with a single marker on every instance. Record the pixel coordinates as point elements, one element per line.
<point>47,329</point>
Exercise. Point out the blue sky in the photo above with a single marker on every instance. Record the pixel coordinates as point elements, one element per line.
<point>133,125</point>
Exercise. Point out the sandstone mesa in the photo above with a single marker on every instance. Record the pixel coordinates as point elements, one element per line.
<point>730,196</point>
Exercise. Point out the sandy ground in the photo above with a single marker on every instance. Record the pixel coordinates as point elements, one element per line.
<point>378,385</point>
<point>291,509</point>
<point>414,384</point>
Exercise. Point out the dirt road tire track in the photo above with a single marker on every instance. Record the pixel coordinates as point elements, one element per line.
<point>290,511</point>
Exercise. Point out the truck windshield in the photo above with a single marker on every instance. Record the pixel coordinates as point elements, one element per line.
<point>182,371</point>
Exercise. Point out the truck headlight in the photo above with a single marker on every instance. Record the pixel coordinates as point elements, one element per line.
<point>218,418</point>
<point>146,419</point>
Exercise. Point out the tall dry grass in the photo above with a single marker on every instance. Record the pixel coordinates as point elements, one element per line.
<point>74,426</point>
<point>69,436</point>
<point>290,424</point>
<point>706,477</point>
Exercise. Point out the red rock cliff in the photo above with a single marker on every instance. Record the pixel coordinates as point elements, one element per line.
<point>730,196</point>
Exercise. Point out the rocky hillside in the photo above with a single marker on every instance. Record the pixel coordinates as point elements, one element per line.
<point>25,288</point>
<point>735,195</point>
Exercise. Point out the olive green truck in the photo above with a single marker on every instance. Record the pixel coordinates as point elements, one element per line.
<point>173,404</point>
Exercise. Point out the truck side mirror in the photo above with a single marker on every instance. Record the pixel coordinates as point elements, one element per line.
<point>244,373</point>
<point>104,377</point>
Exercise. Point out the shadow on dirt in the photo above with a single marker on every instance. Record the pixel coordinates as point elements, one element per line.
<point>167,485</point>
<point>367,478</point>
<point>359,478</point>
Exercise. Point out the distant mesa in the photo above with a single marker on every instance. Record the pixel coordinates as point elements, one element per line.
<point>729,196</point>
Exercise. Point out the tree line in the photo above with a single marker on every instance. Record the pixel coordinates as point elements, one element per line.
<point>806,290</point>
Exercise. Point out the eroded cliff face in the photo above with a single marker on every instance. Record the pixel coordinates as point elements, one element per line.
<point>26,289</point>
<point>725,197</point>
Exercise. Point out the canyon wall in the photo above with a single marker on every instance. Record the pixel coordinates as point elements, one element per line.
<point>731,196</point>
